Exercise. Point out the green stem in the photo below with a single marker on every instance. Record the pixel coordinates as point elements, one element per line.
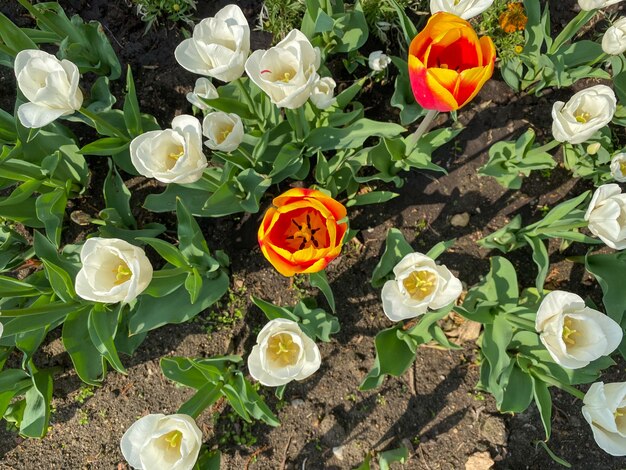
<point>246,96</point>
<point>547,147</point>
<point>412,140</point>
<point>520,322</point>
<point>554,382</point>
<point>572,28</point>
<point>171,272</point>
<point>103,123</point>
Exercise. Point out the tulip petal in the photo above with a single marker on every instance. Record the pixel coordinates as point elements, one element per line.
<point>136,436</point>
<point>32,115</point>
<point>428,92</point>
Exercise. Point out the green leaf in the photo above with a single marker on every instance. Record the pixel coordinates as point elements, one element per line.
<point>209,460</point>
<point>102,326</point>
<point>518,392</point>
<point>132,115</point>
<point>396,248</point>
<point>50,209</point>
<point>193,284</point>
<point>393,357</point>
<point>319,280</point>
<point>400,455</point>
<point>352,136</point>
<point>544,404</point>
<point>315,322</point>
<point>154,312</point>
<point>541,259</point>
<point>87,360</point>
<point>117,196</point>
<point>192,244</point>
<point>13,37</point>
<point>206,396</point>
<point>166,250</point>
<point>37,412</point>
<point>373,197</point>
<point>105,146</point>
<point>552,455</point>
<point>272,311</point>
<point>440,248</point>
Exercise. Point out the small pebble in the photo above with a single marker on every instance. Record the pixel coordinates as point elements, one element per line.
<point>338,452</point>
<point>460,220</point>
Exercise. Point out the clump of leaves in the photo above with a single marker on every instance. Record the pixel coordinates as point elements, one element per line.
<point>508,43</point>
<point>382,17</point>
<point>153,11</point>
<point>279,17</point>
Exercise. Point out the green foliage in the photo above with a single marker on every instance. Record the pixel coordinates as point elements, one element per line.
<point>509,161</point>
<point>152,12</point>
<point>507,45</point>
<point>214,378</point>
<point>278,17</point>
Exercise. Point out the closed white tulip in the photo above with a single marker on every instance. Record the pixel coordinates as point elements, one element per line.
<point>604,409</point>
<point>224,131</point>
<point>606,215</point>
<point>283,353</point>
<point>287,72</point>
<point>113,271</point>
<point>203,89</point>
<point>1,330</point>
<point>323,95</point>
<point>377,61</point>
<point>618,167</point>
<point>160,442</point>
<point>171,155</point>
<point>586,112</point>
<point>573,333</point>
<point>51,86</point>
<point>614,39</point>
<point>466,9</point>
<point>420,284</point>
<point>587,5</point>
<point>218,47</point>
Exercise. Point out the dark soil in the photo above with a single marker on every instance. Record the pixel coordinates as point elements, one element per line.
<point>434,408</point>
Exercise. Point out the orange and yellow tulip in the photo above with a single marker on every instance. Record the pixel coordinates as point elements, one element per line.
<point>448,63</point>
<point>302,232</point>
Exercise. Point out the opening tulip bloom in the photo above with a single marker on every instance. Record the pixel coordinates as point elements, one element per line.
<point>448,63</point>
<point>302,232</point>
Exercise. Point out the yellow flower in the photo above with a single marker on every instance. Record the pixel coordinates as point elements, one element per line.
<point>513,18</point>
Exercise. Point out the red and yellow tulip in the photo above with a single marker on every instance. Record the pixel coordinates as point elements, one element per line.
<point>302,232</point>
<point>448,63</point>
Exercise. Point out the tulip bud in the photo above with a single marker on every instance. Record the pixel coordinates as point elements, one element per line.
<point>419,285</point>
<point>203,89</point>
<point>218,47</point>
<point>283,353</point>
<point>606,215</point>
<point>112,271</point>
<point>224,131</point>
<point>592,149</point>
<point>583,115</point>
<point>377,61</point>
<point>573,333</point>
<point>286,72</point>
<point>172,155</point>
<point>605,409</point>
<point>618,167</point>
<point>323,93</point>
<point>160,442</point>
<point>614,39</point>
<point>51,86</point>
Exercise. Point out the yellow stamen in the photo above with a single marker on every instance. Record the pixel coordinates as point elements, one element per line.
<point>569,332</point>
<point>456,2</point>
<point>282,349</point>
<point>619,412</point>
<point>420,284</point>
<point>224,134</point>
<point>622,167</point>
<point>173,438</point>
<point>176,155</point>
<point>286,77</point>
<point>122,274</point>
<point>444,66</point>
<point>582,117</point>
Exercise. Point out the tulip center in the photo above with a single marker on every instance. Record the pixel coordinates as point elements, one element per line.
<point>420,284</point>
<point>284,75</point>
<point>223,135</point>
<point>569,332</point>
<point>456,2</point>
<point>282,349</point>
<point>173,438</point>
<point>122,273</point>
<point>173,156</point>
<point>622,168</point>
<point>304,234</point>
<point>582,116</point>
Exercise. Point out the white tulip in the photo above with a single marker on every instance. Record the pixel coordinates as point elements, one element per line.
<point>1,329</point>
<point>113,271</point>
<point>172,155</point>
<point>606,215</point>
<point>466,9</point>
<point>587,5</point>
<point>377,61</point>
<point>618,167</point>
<point>614,39</point>
<point>283,353</point>
<point>218,47</point>
<point>51,86</point>
<point>586,112</point>
<point>203,89</point>
<point>287,72</point>
<point>224,131</point>
<point>573,333</point>
<point>605,410</point>
<point>419,285</point>
<point>160,442</point>
<point>323,95</point>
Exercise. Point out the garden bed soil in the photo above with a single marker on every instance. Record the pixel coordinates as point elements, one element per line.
<point>327,423</point>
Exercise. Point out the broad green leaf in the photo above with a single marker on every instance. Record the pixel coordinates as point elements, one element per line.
<point>102,325</point>
<point>320,281</point>
<point>37,412</point>
<point>117,196</point>
<point>544,404</point>
<point>193,284</point>
<point>393,357</point>
<point>206,396</point>
<point>166,250</point>
<point>51,211</point>
<point>132,115</point>
<point>396,248</point>
<point>89,363</point>
<point>386,458</point>
<point>440,248</point>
